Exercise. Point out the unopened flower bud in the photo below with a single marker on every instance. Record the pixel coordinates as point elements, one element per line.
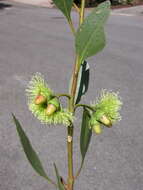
<point>40,99</point>
<point>101,117</point>
<point>104,119</point>
<point>50,109</point>
<point>95,126</point>
<point>53,105</point>
<point>97,129</point>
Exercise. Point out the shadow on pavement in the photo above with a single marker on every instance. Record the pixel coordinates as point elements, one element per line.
<point>4,5</point>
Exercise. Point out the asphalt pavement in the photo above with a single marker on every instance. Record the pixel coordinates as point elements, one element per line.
<point>34,39</point>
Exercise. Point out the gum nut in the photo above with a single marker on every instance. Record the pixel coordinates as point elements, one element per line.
<point>106,121</point>
<point>97,129</point>
<point>50,109</point>
<point>40,99</point>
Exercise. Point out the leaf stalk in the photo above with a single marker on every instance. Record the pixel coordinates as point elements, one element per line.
<point>85,106</point>
<point>72,27</point>
<point>76,8</point>
<point>79,170</point>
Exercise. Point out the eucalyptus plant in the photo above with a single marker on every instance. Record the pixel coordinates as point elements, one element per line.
<point>46,105</point>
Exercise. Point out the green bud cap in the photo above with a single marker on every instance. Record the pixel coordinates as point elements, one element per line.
<point>40,99</point>
<point>97,129</point>
<point>55,102</point>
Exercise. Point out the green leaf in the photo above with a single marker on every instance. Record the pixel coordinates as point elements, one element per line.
<point>29,151</point>
<point>65,6</point>
<point>60,185</point>
<point>86,133</point>
<point>90,37</point>
<point>83,81</point>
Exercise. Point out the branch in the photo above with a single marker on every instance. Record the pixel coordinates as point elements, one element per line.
<point>84,105</point>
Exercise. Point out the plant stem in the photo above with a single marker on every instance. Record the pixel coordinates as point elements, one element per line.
<point>71,108</point>
<point>74,82</point>
<point>71,127</point>
<point>82,11</point>
<point>70,157</point>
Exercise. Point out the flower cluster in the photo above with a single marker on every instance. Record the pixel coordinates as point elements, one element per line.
<point>44,104</point>
<point>106,112</point>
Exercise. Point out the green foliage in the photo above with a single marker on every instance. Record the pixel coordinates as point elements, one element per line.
<point>65,6</point>
<point>60,185</point>
<point>86,132</point>
<point>29,151</point>
<point>90,37</point>
<point>83,81</point>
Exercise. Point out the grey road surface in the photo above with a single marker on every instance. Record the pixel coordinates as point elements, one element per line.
<point>36,39</point>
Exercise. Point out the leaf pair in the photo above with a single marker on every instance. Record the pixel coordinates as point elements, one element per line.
<point>33,158</point>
